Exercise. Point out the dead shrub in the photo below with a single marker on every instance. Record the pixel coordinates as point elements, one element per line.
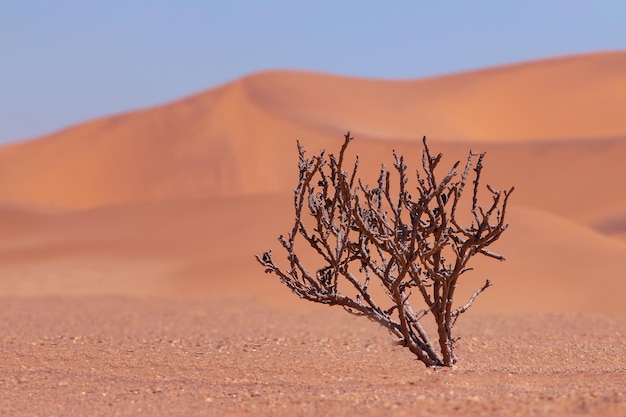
<point>408,241</point>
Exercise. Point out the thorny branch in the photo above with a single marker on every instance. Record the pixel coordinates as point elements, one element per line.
<point>413,246</point>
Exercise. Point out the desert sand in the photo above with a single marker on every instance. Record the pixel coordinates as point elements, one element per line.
<point>129,287</point>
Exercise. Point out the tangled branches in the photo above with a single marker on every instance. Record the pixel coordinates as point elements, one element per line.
<point>408,243</point>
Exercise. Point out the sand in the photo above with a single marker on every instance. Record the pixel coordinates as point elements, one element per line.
<point>218,356</point>
<point>128,284</point>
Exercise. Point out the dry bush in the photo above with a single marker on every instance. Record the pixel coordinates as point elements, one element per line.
<point>408,241</point>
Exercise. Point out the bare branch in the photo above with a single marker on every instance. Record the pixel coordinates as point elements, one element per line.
<point>456,313</point>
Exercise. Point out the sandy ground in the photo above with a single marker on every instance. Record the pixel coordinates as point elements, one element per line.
<point>220,356</point>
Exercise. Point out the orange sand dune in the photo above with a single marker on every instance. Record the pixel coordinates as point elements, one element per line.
<point>176,199</point>
<point>207,247</point>
<point>562,98</point>
<point>234,139</point>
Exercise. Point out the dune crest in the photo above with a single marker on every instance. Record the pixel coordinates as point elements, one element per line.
<point>562,98</point>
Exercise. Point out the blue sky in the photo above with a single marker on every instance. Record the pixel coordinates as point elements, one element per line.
<point>67,61</point>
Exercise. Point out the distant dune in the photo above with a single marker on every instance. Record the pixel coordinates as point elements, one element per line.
<point>176,198</point>
<point>578,97</point>
<point>229,140</point>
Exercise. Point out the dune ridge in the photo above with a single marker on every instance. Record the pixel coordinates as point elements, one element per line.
<point>573,97</point>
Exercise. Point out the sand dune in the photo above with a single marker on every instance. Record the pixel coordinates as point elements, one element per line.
<point>176,199</point>
<point>229,140</point>
<point>563,98</point>
<point>206,247</point>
